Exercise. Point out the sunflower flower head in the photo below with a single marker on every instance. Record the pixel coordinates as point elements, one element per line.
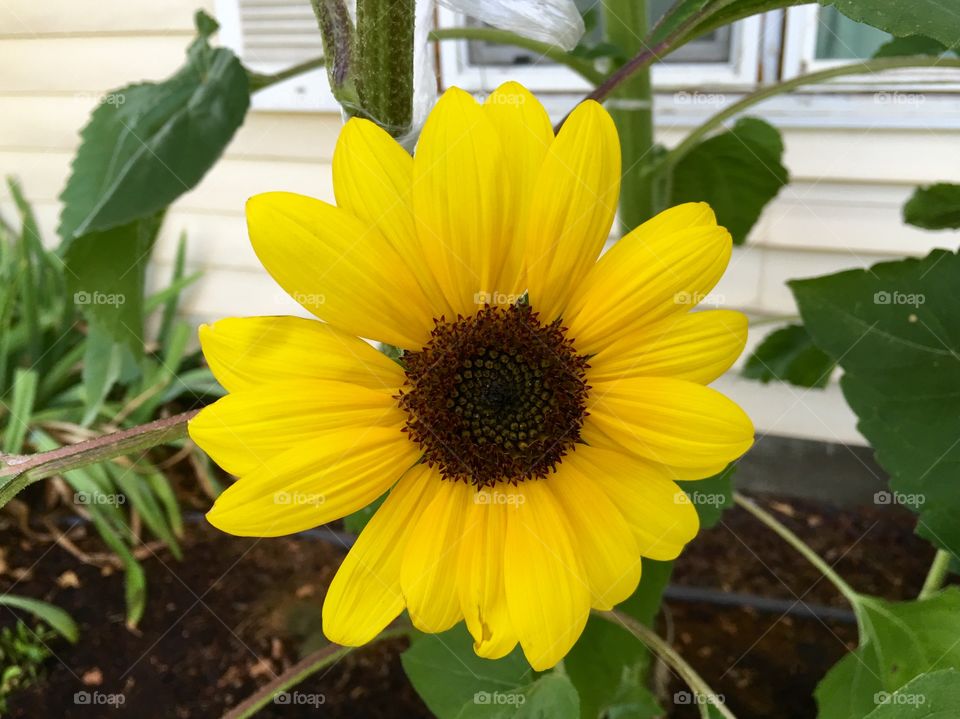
<point>546,399</point>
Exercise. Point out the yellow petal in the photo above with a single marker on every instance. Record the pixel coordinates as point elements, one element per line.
<point>664,267</point>
<point>697,346</point>
<point>525,133</point>
<point>365,596</point>
<point>245,352</point>
<point>429,571</point>
<point>243,431</point>
<point>607,544</point>
<point>660,514</point>
<point>574,201</point>
<point>548,593</point>
<point>462,200</point>
<point>339,268</point>
<point>669,421</point>
<point>373,179</point>
<point>314,483</point>
<point>483,598</point>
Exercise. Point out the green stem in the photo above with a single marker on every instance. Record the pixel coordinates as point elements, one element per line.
<point>632,110</point>
<point>857,68</point>
<point>937,575</point>
<point>579,65</point>
<point>385,63</point>
<point>310,664</point>
<point>794,541</point>
<point>259,81</point>
<point>671,658</point>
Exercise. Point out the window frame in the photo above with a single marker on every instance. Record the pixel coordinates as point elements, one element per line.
<point>740,71</point>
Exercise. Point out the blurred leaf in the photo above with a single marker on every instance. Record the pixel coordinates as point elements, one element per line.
<point>107,278</point>
<point>102,365</point>
<point>354,523</point>
<point>448,675</point>
<point>900,641</point>
<point>910,46</point>
<point>711,496</point>
<point>552,696</point>
<point>58,619</point>
<point>932,695</point>
<point>20,410</point>
<point>147,144</point>
<point>738,172</point>
<point>789,355</point>
<point>934,18</point>
<point>936,207</point>
<point>895,331</point>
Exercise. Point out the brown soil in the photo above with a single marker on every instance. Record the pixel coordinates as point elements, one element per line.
<point>240,611</point>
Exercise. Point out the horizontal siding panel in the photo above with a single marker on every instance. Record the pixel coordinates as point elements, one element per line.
<point>74,65</point>
<point>31,18</point>
<point>54,123</point>
<point>225,189</point>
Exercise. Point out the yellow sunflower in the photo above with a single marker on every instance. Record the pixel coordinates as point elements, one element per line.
<point>530,434</point>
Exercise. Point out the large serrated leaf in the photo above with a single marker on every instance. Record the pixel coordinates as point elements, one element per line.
<point>789,355</point>
<point>895,331</point>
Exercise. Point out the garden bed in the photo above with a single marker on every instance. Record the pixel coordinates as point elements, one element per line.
<point>241,611</point>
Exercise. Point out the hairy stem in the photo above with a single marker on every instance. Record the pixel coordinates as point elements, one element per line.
<point>671,658</point>
<point>385,63</point>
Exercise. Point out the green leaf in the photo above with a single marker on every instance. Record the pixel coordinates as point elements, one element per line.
<point>711,496</point>
<point>936,694</point>
<point>355,522</point>
<point>59,620</point>
<point>552,696</point>
<point>900,641</point>
<point>147,144</point>
<point>20,410</point>
<point>910,46</point>
<point>607,664</point>
<point>738,172</point>
<point>895,331</point>
<point>448,675</point>
<point>934,18</point>
<point>789,355</point>
<point>936,207</point>
<point>103,361</point>
<point>107,274</point>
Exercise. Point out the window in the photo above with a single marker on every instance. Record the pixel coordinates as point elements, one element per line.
<point>726,57</point>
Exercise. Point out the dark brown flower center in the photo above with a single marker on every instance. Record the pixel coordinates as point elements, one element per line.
<point>495,396</point>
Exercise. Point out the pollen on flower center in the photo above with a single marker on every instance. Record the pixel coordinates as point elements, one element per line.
<point>495,396</point>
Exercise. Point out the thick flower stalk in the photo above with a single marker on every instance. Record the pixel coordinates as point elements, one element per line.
<point>529,437</point>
